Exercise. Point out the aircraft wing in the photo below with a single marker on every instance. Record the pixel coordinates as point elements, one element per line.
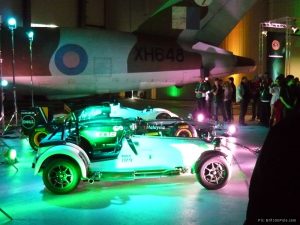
<point>199,29</point>
<point>209,24</point>
<point>221,18</point>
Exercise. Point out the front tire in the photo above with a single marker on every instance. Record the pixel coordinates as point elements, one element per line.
<point>36,137</point>
<point>213,172</point>
<point>61,176</point>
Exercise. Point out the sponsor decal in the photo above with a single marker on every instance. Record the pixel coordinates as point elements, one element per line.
<point>155,127</point>
<point>28,122</point>
<point>275,45</point>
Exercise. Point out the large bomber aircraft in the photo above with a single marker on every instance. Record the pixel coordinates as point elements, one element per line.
<point>174,46</point>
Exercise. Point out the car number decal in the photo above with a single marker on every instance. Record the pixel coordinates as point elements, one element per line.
<point>126,158</point>
<point>106,134</point>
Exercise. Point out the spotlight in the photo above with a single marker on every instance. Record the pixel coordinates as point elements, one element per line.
<point>295,29</point>
<point>10,156</point>
<point>30,35</point>
<point>4,83</point>
<point>200,117</point>
<point>231,129</point>
<point>264,33</point>
<point>12,23</point>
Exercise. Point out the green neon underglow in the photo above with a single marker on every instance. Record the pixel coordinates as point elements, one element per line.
<point>173,91</point>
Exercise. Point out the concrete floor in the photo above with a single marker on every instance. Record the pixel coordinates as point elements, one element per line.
<point>177,200</point>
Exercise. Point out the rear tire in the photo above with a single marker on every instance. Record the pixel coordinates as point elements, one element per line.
<point>61,176</point>
<point>36,137</point>
<point>213,172</point>
<point>183,132</point>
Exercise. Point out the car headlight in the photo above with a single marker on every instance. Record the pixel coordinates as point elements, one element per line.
<point>231,130</point>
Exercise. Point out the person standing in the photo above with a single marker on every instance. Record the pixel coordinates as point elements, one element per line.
<point>218,100</point>
<point>265,98</point>
<point>275,104</point>
<point>243,97</point>
<point>288,96</point>
<point>255,88</point>
<point>201,89</point>
<point>231,82</point>
<point>228,92</point>
<point>233,97</point>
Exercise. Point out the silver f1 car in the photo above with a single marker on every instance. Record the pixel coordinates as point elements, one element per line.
<point>36,125</point>
<point>106,149</point>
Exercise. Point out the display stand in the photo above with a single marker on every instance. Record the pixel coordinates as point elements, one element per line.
<point>286,25</point>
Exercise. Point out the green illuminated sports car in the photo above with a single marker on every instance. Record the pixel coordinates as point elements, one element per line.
<point>106,149</point>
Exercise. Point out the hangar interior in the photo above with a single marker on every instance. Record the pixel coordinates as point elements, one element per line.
<point>127,15</point>
<point>172,200</point>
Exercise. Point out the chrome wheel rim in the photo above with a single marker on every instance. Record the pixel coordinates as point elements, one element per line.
<point>215,173</point>
<point>61,176</point>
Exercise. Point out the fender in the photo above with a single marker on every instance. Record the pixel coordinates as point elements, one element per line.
<point>69,150</point>
<point>211,153</point>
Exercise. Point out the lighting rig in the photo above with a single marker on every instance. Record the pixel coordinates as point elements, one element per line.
<point>12,25</point>
<point>2,119</point>
<point>30,35</point>
<point>285,24</point>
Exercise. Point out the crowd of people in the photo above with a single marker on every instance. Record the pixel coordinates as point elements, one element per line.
<point>216,98</point>
<point>271,101</point>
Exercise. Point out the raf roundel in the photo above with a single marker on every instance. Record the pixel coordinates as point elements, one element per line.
<point>71,59</point>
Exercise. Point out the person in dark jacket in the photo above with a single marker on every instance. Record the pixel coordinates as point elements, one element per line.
<point>218,100</point>
<point>233,97</point>
<point>288,96</point>
<point>265,99</point>
<point>231,81</point>
<point>201,90</point>
<point>255,87</point>
<point>274,192</point>
<point>243,97</point>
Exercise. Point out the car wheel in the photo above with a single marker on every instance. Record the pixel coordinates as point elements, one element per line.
<point>163,116</point>
<point>183,132</point>
<point>61,176</point>
<point>213,172</point>
<point>36,137</point>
